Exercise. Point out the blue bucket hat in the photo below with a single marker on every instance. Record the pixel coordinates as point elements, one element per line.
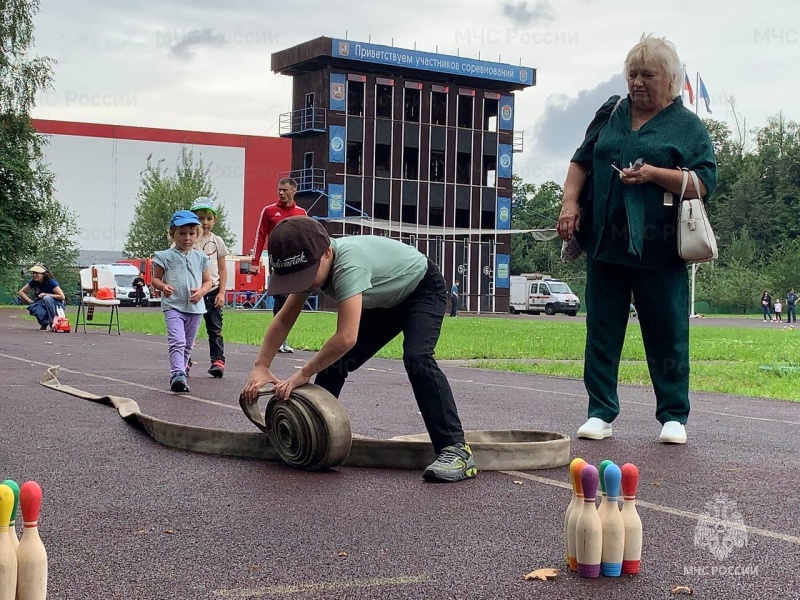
<point>183,217</point>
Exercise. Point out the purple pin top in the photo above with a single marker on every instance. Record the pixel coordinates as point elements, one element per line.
<point>589,479</point>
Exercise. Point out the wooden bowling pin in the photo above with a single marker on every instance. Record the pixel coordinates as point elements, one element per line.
<point>632,553</point>
<point>31,555</point>
<point>572,504</point>
<point>613,525</point>
<point>575,468</point>
<point>603,502</point>
<point>12,525</point>
<point>8,557</point>
<point>589,530</point>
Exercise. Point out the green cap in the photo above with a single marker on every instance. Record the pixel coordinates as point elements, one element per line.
<point>14,488</point>
<point>203,203</point>
<point>601,470</point>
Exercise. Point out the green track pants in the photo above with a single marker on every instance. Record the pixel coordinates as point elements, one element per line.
<point>662,304</point>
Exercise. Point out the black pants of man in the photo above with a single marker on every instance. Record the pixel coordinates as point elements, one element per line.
<point>419,317</point>
<point>662,303</point>
<point>791,315</point>
<point>453,306</point>
<point>213,319</point>
<point>139,299</point>
<point>277,303</point>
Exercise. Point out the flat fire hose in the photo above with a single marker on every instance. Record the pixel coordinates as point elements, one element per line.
<point>311,431</point>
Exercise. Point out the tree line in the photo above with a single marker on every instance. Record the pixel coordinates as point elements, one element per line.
<point>754,212</point>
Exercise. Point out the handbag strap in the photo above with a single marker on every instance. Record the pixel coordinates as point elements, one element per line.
<point>686,173</point>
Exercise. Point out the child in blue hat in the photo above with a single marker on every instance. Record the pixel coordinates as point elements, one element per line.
<point>182,275</point>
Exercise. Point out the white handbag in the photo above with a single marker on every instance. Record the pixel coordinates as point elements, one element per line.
<point>696,240</point>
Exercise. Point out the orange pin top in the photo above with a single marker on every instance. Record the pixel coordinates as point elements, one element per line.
<point>575,468</point>
<point>30,501</point>
<point>630,480</point>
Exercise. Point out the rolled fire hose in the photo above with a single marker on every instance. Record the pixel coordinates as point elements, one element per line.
<point>312,431</point>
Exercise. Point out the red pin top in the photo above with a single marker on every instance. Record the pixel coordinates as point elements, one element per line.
<point>630,479</point>
<point>30,501</point>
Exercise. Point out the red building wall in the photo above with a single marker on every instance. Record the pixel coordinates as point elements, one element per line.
<point>265,158</point>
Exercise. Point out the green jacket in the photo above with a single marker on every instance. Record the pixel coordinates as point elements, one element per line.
<point>629,225</point>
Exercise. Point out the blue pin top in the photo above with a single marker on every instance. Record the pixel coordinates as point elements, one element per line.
<point>613,478</point>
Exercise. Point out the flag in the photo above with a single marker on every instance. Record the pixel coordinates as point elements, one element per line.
<point>702,92</point>
<point>688,87</point>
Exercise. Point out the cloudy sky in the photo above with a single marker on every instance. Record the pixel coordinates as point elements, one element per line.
<point>205,64</point>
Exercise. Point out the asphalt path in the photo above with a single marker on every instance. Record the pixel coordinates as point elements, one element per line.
<point>126,518</point>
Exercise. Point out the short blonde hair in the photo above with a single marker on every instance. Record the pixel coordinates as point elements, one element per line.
<point>653,51</point>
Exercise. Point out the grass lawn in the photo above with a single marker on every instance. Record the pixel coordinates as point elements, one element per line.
<point>730,360</point>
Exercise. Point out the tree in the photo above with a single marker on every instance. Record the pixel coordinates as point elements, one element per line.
<point>161,194</point>
<point>26,186</point>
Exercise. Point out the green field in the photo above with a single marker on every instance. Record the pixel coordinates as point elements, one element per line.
<point>731,360</point>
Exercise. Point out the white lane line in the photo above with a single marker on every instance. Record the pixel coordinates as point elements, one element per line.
<point>286,590</point>
<point>775,535</point>
<point>124,382</point>
<point>574,395</point>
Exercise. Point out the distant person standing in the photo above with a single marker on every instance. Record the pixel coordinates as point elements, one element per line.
<point>791,300</point>
<point>138,286</point>
<point>271,215</point>
<point>766,302</point>
<point>454,300</point>
<point>778,309</point>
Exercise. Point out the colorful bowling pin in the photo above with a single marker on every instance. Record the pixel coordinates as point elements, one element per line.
<point>572,504</point>
<point>31,555</point>
<point>8,558</point>
<point>575,468</point>
<point>632,553</point>
<point>589,530</point>
<point>613,525</point>
<point>12,525</point>
<point>603,502</point>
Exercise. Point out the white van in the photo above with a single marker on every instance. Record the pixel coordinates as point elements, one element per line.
<point>534,293</point>
<point>124,274</point>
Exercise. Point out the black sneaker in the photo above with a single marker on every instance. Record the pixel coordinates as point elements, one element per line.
<point>178,383</point>
<point>455,463</point>
<point>217,369</point>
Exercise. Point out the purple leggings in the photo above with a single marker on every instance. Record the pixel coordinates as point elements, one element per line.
<point>181,330</point>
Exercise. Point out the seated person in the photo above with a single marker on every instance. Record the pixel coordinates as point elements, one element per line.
<point>248,302</point>
<point>43,296</point>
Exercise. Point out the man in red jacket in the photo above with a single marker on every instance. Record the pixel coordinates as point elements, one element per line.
<point>271,215</point>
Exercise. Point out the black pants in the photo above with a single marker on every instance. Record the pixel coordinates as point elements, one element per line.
<point>277,303</point>
<point>453,306</point>
<point>419,317</point>
<point>213,319</point>
<point>791,316</point>
<point>139,299</point>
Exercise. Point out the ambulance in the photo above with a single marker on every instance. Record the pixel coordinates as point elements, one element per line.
<point>533,293</point>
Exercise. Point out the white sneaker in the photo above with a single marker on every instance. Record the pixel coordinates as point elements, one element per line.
<point>285,349</point>
<point>594,429</point>
<point>672,433</point>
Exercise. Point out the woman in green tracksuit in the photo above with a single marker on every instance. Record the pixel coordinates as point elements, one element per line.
<point>631,234</point>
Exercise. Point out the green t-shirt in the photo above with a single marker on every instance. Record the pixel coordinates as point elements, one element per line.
<point>630,224</point>
<point>383,270</point>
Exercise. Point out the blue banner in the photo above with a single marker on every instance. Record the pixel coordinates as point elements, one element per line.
<point>502,271</point>
<point>336,146</point>
<point>338,91</point>
<point>428,61</point>
<point>504,161</point>
<point>335,200</point>
<point>503,218</point>
<point>506,112</point>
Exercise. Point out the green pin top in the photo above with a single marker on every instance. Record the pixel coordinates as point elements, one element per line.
<point>14,488</point>
<point>601,470</point>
